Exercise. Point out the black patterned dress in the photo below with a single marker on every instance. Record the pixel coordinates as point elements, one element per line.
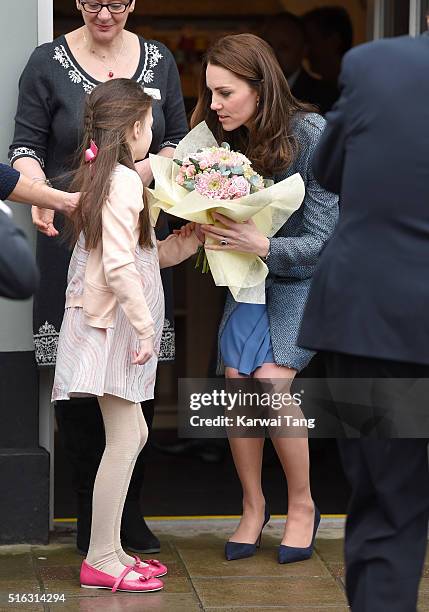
<point>47,128</point>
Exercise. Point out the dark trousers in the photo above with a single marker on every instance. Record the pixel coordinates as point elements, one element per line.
<point>81,430</point>
<point>387,522</point>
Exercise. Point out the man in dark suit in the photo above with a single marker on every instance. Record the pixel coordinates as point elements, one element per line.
<point>285,33</point>
<point>368,310</point>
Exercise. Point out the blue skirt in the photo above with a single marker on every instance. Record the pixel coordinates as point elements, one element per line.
<point>245,343</point>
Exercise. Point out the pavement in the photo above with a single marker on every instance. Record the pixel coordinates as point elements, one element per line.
<point>199,578</point>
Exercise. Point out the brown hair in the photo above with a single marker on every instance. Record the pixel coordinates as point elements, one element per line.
<point>111,110</point>
<point>269,143</point>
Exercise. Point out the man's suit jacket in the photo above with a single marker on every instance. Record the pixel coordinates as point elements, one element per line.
<point>314,91</point>
<point>370,292</point>
<point>19,276</point>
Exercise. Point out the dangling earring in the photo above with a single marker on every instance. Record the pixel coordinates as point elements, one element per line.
<point>257,102</point>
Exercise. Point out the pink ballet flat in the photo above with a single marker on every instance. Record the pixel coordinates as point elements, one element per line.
<point>153,569</point>
<point>92,578</point>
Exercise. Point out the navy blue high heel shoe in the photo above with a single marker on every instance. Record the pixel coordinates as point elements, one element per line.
<point>292,554</point>
<point>239,550</point>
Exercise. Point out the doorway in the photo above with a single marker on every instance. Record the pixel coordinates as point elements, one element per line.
<point>199,475</point>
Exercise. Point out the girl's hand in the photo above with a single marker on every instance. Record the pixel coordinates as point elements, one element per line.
<point>244,237</point>
<point>43,219</point>
<point>146,351</point>
<point>186,230</point>
<point>144,170</point>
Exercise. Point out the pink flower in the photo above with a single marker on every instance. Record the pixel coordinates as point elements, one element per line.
<point>190,171</point>
<point>180,179</point>
<point>212,185</point>
<point>238,187</point>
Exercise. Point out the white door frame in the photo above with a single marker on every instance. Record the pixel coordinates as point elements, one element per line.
<point>45,33</point>
<point>45,22</point>
<point>376,19</point>
<point>415,17</point>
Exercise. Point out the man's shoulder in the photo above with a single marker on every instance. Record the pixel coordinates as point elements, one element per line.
<point>380,48</point>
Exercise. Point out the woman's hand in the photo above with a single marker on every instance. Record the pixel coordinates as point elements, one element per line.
<point>146,351</point>
<point>244,237</point>
<point>186,230</point>
<point>144,170</point>
<point>43,219</point>
<point>68,203</point>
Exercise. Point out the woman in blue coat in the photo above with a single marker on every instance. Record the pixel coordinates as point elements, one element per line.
<point>245,100</point>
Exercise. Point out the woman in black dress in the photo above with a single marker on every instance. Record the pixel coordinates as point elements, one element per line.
<point>53,87</point>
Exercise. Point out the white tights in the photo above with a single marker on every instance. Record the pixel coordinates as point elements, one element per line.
<point>126,435</point>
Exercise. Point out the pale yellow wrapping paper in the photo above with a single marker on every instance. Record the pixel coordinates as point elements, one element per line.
<point>270,208</point>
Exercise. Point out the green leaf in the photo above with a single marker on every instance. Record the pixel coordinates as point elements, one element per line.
<point>189,185</point>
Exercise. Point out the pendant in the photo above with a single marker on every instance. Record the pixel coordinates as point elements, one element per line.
<point>111,75</point>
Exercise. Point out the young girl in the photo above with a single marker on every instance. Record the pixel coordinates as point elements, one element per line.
<point>111,332</point>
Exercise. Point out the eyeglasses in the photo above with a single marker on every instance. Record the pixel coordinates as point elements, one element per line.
<point>112,7</point>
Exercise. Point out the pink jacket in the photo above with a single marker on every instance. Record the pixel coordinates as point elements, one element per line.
<point>111,276</point>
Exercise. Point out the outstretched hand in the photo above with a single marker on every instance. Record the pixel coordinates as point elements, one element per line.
<point>186,230</point>
<point>43,219</point>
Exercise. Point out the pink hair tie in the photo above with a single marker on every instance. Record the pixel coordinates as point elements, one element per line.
<point>92,152</point>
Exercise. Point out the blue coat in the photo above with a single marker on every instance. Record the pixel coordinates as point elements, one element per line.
<point>370,292</point>
<point>295,250</point>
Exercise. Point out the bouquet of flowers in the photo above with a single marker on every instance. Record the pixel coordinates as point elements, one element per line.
<point>219,174</point>
<point>205,178</point>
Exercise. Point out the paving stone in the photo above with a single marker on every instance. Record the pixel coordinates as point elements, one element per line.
<point>58,572</point>
<point>69,588</point>
<point>16,564</point>
<point>311,608</point>
<point>330,551</point>
<point>33,607</point>
<point>129,602</point>
<point>210,561</point>
<point>177,585</point>
<point>424,595</point>
<point>224,592</point>
<point>21,587</point>
<point>56,554</point>
<point>337,570</point>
